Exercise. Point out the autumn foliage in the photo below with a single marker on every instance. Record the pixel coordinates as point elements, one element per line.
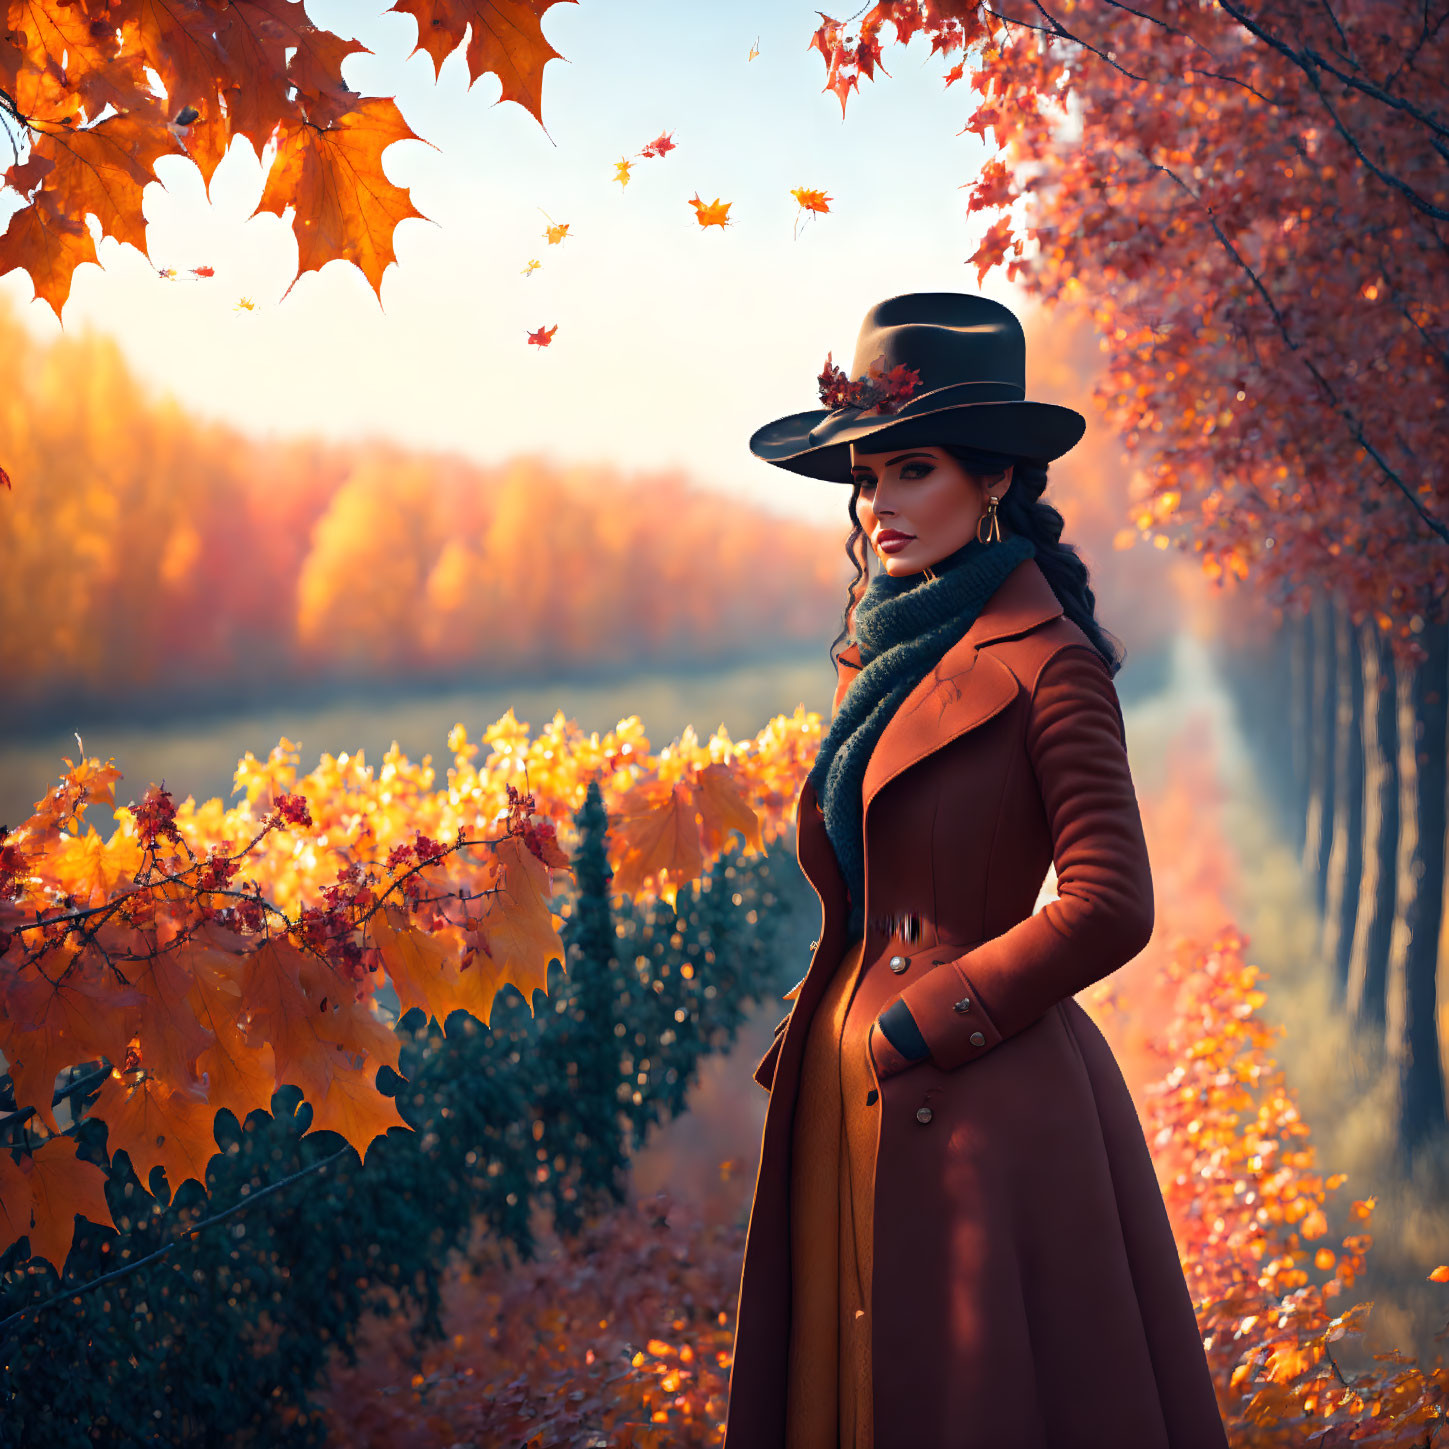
<point>76,83</point>
<point>205,956</point>
<point>1251,202</point>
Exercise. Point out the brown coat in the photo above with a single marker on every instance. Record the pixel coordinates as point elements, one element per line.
<point>1025,1288</point>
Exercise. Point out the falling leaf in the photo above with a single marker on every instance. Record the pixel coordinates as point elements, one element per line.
<point>543,336</point>
<point>811,200</point>
<point>754,49</point>
<point>715,213</point>
<point>204,271</point>
<point>166,273</point>
<point>659,145</point>
<point>955,73</point>
<point>621,171</point>
<point>245,305</point>
<point>556,234</point>
<point>533,265</point>
<point>812,203</point>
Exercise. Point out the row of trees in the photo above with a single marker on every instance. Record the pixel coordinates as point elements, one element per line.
<point>1351,746</point>
<point>225,1332</point>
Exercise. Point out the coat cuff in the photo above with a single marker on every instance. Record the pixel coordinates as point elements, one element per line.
<point>900,1030</point>
<point>950,1017</point>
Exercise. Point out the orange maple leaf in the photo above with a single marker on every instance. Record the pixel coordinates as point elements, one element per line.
<point>423,968</point>
<point>238,1075</point>
<point>63,1185</point>
<point>17,1201</point>
<point>353,1025</point>
<point>556,232</point>
<point>333,176</point>
<point>811,200</point>
<point>353,1107</point>
<point>49,245</point>
<point>543,336</point>
<point>157,1127</point>
<point>103,169</point>
<point>518,924</point>
<point>656,833</point>
<point>76,1015</point>
<point>714,213</point>
<point>621,171</point>
<point>533,265</point>
<point>507,39</point>
<point>723,808</point>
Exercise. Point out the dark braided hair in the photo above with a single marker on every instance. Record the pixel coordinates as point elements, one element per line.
<point>1022,511</point>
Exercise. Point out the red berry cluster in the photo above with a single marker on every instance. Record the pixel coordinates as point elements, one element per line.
<point>294,809</point>
<point>878,389</point>
<point>156,817</point>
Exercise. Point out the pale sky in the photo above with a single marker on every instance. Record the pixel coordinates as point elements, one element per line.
<point>674,342</point>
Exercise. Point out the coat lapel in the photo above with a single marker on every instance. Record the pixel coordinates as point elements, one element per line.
<point>965,689</point>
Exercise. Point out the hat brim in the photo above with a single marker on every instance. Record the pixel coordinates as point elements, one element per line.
<point>1037,431</point>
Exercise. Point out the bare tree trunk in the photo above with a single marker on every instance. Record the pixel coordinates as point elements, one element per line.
<point>1274,699</point>
<point>1369,957</point>
<point>1319,822</point>
<point>1345,855</point>
<point>1300,680</point>
<point>1412,1035</point>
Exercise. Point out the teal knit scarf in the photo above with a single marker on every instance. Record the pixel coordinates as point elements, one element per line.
<point>904,627</point>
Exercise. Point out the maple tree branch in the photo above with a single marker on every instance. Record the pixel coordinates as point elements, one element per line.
<point>1308,59</point>
<point>1355,427</point>
<point>1425,35</point>
<point>1060,32</point>
<point>1413,197</point>
<point>1347,53</point>
<point>210,1222</point>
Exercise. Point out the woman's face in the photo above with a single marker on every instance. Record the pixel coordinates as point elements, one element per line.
<point>923,492</point>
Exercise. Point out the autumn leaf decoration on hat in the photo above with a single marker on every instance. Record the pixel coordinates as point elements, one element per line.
<point>878,390</point>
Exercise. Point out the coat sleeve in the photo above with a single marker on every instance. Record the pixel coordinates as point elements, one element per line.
<point>1076,742</point>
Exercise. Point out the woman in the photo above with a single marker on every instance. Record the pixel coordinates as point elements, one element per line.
<point>957,1239</point>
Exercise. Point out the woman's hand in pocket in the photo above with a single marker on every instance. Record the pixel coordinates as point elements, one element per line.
<point>888,1061</point>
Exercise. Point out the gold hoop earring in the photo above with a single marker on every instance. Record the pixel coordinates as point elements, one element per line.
<point>993,524</point>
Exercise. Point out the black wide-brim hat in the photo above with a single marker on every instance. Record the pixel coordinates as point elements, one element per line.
<point>968,357</point>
